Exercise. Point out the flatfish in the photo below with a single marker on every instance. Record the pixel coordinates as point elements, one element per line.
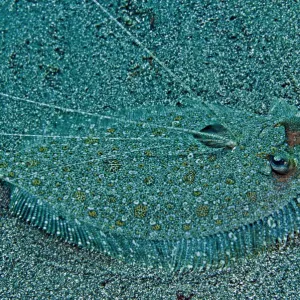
<point>179,187</point>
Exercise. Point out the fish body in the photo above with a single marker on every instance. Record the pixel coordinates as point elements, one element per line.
<point>158,186</point>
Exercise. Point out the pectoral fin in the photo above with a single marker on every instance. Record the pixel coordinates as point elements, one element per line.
<point>215,136</point>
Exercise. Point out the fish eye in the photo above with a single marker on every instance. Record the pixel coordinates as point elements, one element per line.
<point>281,164</point>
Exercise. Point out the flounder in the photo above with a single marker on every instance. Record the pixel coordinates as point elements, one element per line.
<point>179,188</point>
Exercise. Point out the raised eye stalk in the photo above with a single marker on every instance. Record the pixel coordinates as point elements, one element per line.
<point>292,130</point>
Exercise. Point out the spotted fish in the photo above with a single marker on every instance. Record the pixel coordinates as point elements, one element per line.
<point>181,187</point>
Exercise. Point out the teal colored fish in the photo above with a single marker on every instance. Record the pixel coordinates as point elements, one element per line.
<point>181,187</point>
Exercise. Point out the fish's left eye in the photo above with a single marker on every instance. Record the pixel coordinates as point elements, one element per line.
<point>281,165</point>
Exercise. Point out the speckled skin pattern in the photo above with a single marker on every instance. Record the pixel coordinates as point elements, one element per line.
<point>140,187</point>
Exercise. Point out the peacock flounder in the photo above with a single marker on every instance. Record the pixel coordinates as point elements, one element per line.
<point>182,187</point>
